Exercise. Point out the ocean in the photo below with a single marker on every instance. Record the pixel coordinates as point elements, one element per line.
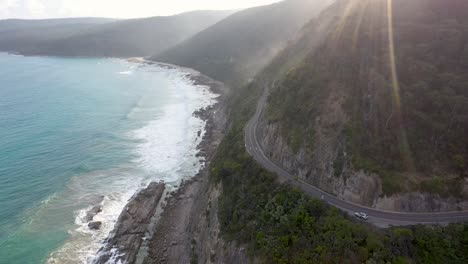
<point>76,132</point>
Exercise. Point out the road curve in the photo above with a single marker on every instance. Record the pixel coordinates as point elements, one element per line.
<point>377,217</point>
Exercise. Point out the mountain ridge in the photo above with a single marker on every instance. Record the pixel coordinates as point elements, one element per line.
<point>236,48</point>
<point>94,37</point>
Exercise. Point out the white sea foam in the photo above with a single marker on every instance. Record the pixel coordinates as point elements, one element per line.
<point>169,142</point>
<point>126,72</point>
<point>165,150</point>
<point>84,243</point>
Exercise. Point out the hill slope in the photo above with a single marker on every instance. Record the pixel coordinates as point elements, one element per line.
<point>19,35</point>
<point>239,46</point>
<point>123,38</point>
<point>378,116</point>
<point>19,24</point>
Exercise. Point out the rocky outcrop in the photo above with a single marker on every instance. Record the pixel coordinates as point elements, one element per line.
<point>319,168</point>
<point>188,230</point>
<point>421,202</point>
<point>93,212</point>
<point>207,245</point>
<point>95,225</point>
<point>125,240</point>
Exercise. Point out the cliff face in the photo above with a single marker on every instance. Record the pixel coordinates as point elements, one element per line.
<point>207,246</point>
<point>353,185</point>
<point>377,113</point>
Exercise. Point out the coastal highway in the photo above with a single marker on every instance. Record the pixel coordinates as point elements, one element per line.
<point>378,217</point>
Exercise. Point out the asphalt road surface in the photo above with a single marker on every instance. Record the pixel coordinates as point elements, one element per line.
<point>377,217</point>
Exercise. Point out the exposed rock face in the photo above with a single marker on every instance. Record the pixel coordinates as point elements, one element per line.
<point>207,245</point>
<point>349,184</point>
<point>93,212</point>
<point>420,202</point>
<point>126,238</point>
<point>95,225</point>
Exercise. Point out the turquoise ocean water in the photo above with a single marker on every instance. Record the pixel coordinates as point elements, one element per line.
<point>78,132</point>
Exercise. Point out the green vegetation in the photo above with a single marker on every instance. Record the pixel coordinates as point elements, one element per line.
<point>444,187</point>
<point>419,130</point>
<point>391,185</point>
<point>281,225</point>
<point>295,103</point>
<point>238,47</point>
<point>104,37</point>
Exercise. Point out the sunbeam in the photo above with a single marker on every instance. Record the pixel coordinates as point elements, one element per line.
<point>403,138</point>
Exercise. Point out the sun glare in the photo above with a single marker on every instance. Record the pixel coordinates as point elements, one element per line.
<point>30,9</point>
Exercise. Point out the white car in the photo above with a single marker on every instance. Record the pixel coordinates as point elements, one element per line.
<point>361,215</point>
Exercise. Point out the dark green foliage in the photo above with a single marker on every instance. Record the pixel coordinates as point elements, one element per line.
<point>295,103</point>
<point>391,185</point>
<point>460,163</point>
<point>420,129</point>
<point>282,225</point>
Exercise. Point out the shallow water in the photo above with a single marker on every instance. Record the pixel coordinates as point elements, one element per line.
<point>77,132</point>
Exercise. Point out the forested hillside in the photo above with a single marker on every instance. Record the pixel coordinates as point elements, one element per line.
<point>278,224</point>
<point>281,225</point>
<point>123,38</point>
<point>18,35</point>
<point>238,47</point>
<point>382,104</point>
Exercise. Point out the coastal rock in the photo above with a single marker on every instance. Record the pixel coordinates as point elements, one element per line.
<point>96,225</point>
<point>93,212</point>
<point>196,233</point>
<point>125,240</point>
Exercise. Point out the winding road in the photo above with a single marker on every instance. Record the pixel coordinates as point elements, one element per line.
<point>378,217</point>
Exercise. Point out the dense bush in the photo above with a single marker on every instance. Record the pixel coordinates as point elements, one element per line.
<point>418,129</point>
<point>282,225</point>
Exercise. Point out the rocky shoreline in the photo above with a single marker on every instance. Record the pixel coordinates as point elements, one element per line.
<point>174,239</point>
<point>194,75</point>
<point>123,244</point>
<point>128,243</point>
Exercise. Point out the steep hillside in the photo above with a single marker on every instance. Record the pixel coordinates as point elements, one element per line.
<point>18,35</point>
<point>124,38</point>
<point>378,113</point>
<point>236,48</point>
<point>274,223</point>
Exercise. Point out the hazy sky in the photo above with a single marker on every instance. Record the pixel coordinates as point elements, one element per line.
<point>114,8</point>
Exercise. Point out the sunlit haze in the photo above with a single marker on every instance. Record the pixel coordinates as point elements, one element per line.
<point>34,9</point>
